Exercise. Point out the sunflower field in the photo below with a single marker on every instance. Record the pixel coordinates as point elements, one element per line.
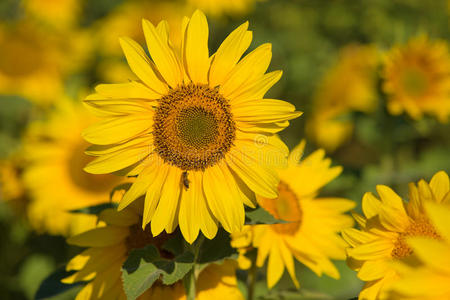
<point>225,149</point>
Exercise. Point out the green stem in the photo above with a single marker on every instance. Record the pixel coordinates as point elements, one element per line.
<point>251,279</point>
<point>189,284</point>
<point>189,279</point>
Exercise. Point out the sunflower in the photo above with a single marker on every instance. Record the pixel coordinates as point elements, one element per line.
<point>54,173</point>
<point>350,85</point>
<point>311,236</point>
<point>195,129</point>
<point>428,280</point>
<point>417,78</point>
<point>385,228</point>
<point>109,244</point>
<point>223,7</point>
<point>34,63</point>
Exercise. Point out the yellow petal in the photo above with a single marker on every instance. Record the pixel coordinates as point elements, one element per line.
<point>117,130</point>
<point>109,163</point>
<point>166,214</point>
<point>249,69</point>
<point>141,65</point>
<point>289,263</point>
<point>207,221</point>
<point>163,57</point>
<point>392,220</point>
<point>228,54</point>
<point>139,187</point>
<point>378,249</point>
<point>256,89</point>
<point>439,217</point>
<point>356,237</point>
<point>265,110</point>
<point>440,185</point>
<point>373,269</point>
<point>154,192</point>
<point>100,237</point>
<point>189,210</point>
<point>262,180</point>
<point>128,90</point>
<point>275,267</point>
<point>390,198</point>
<point>223,197</point>
<point>433,253</point>
<point>196,53</point>
<point>123,218</point>
<point>370,205</point>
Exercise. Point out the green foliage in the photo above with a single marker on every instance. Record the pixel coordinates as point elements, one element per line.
<point>260,216</point>
<point>144,266</point>
<point>52,285</point>
<point>95,209</point>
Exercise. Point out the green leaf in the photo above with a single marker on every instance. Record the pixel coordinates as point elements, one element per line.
<point>144,266</point>
<point>95,209</point>
<point>52,285</point>
<point>216,250</point>
<point>260,216</point>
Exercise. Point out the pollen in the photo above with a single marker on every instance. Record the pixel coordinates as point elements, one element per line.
<point>420,227</point>
<point>193,127</point>
<point>286,207</point>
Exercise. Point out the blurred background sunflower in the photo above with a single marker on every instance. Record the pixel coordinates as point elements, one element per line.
<point>372,78</point>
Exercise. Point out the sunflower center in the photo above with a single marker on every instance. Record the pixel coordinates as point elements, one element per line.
<point>193,127</point>
<point>414,82</point>
<point>421,227</point>
<point>77,160</point>
<point>139,238</point>
<point>286,207</point>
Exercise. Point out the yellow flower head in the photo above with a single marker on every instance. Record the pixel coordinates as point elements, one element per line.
<point>223,7</point>
<point>385,227</point>
<point>194,128</point>
<point>54,175</point>
<point>417,78</point>
<point>109,245</point>
<point>311,236</point>
<point>34,63</point>
<point>428,280</point>
<point>348,86</point>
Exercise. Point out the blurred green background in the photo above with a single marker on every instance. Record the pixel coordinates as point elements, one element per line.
<point>74,46</point>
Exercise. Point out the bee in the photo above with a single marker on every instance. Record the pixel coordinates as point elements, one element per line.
<point>185,180</point>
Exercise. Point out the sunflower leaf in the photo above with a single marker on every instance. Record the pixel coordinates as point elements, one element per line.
<point>52,285</point>
<point>260,216</point>
<point>95,209</point>
<point>145,266</point>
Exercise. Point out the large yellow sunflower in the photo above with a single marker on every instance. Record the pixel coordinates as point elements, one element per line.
<point>429,280</point>
<point>417,78</point>
<point>384,229</point>
<point>109,244</point>
<point>54,174</point>
<point>195,128</point>
<point>348,86</point>
<point>311,236</point>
